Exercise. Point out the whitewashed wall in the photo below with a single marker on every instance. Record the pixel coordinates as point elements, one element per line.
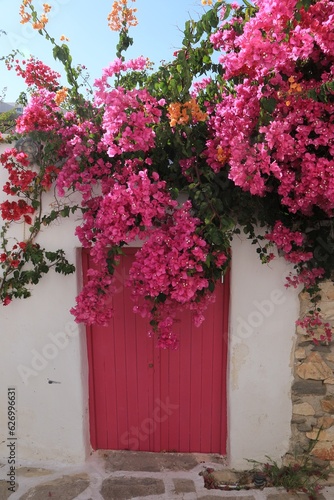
<point>41,343</point>
<point>262,335</point>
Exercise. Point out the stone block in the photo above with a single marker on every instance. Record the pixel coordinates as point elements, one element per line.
<point>184,486</point>
<point>66,488</point>
<point>124,488</point>
<point>33,472</point>
<point>4,492</point>
<point>309,387</point>
<point>298,420</point>
<point>321,348</point>
<point>305,342</point>
<point>324,450</point>
<point>324,435</point>
<point>330,390</point>
<point>225,476</point>
<point>147,461</point>
<point>304,427</point>
<point>325,422</point>
<point>327,291</point>
<point>300,353</point>
<point>303,409</point>
<point>327,311</point>
<point>327,404</point>
<point>314,368</point>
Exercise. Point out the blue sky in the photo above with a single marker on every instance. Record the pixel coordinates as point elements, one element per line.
<point>157,35</point>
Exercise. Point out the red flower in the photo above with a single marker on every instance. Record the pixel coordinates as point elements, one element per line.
<point>14,210</point>
<point>7,300</point>
<point>27,219</point>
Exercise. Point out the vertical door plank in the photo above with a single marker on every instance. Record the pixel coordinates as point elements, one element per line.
<point>208,383</point>
<point>185,381</point>
<point>127,330</point>
<point>172,399</point>
<point>195,390</point>
<point>218,373</point>
<point>164,380</point>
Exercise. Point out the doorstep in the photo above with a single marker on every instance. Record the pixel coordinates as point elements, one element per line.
<point>122,475</point>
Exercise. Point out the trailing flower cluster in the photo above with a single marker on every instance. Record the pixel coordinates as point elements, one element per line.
<point>278,136</point>
<point>122,16</point>
<point>251,145</point>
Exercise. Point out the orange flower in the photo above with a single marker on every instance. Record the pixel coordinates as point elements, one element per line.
<point>294,87</point>
<point>182,113</point>
<point>121,16</point>
<point>222,155</point>
<point>40,23</point>
<point>195,111</point>
<point>174,112</point>
<point>64,38</point>
<point>25,17</point>
<point>61,95</point>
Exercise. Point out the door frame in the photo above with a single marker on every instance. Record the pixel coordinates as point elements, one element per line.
<point>91,382</point>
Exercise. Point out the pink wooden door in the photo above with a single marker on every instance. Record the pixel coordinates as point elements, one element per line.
<point>145,398</point>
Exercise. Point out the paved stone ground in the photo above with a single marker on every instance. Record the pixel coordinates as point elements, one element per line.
<point>130,475</point>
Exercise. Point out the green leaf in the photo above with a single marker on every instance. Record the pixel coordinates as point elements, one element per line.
<point>62,52</point>
<point>65,212</point>
<point>35,204</point>
<point>248,4</point>
<point>304,3</point>
<point>228,9</point>
<point>213,18</point>
<point>174,192</point>
<point>161,298</point>
<point>268,104</point>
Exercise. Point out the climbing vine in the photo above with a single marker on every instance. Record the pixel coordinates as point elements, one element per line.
<point>239,122</point>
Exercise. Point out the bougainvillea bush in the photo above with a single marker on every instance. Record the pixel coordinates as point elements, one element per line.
<point>239,125</point>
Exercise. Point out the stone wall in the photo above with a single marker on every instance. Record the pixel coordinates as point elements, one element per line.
<point>313,387</point>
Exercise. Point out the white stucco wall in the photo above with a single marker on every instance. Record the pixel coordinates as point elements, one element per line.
<point>262,325</point>
<point>41,343</point>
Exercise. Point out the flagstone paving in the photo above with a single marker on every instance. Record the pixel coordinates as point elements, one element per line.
<point>111,475</point>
